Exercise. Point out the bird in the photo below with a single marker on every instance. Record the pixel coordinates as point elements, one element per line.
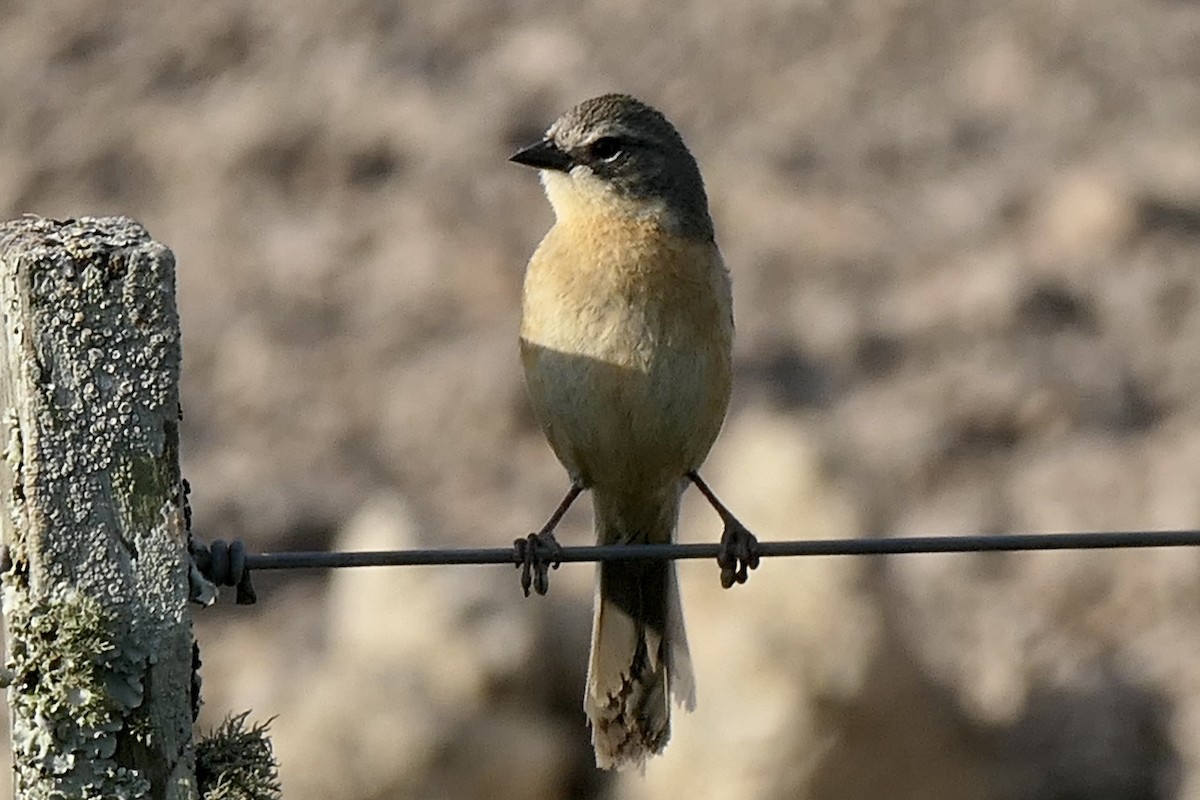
<point>626,341</point>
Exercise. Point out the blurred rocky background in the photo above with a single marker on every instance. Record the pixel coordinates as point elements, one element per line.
<point>965,241</point>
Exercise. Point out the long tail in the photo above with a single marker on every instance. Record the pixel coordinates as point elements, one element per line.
<point>639,659</point>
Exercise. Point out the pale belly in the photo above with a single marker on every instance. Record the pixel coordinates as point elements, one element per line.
<point>631,398</point>
<point>622,428</point>
<point>626,353</point>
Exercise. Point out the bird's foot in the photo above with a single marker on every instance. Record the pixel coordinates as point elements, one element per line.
<point>739,553</point>
<point>534,555</point>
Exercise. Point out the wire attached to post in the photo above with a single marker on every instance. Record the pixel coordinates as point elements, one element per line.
<point>230,564</point>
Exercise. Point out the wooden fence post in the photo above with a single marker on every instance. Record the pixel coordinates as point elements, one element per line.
<point>95,588</point>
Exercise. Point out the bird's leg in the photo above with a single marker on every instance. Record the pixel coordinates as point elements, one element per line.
<point>536,553</point>
<point>739,548</point>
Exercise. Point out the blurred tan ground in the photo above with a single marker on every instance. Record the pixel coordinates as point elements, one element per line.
<point>965,240</point>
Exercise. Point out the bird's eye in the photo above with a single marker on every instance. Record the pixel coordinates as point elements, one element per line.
<point>606,148</point>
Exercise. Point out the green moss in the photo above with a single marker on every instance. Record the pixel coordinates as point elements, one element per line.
<point>236,763</point>
<point>141,481</point>
<point>72,685</point>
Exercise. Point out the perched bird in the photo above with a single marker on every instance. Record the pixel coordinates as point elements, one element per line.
<point>626,339</point>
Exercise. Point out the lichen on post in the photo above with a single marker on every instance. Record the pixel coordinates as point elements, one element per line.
<point>95,589</point>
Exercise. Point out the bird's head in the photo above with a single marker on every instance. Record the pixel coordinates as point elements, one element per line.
<point>615,154</point>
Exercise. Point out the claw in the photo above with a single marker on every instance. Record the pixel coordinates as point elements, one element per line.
<point>535,555</point>
<point>738,555</point>
<point>739,552</point>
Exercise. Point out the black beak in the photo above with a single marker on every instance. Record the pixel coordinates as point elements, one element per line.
<point>544,155</point>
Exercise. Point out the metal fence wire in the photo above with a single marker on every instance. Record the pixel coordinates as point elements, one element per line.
<point>228,564</point>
